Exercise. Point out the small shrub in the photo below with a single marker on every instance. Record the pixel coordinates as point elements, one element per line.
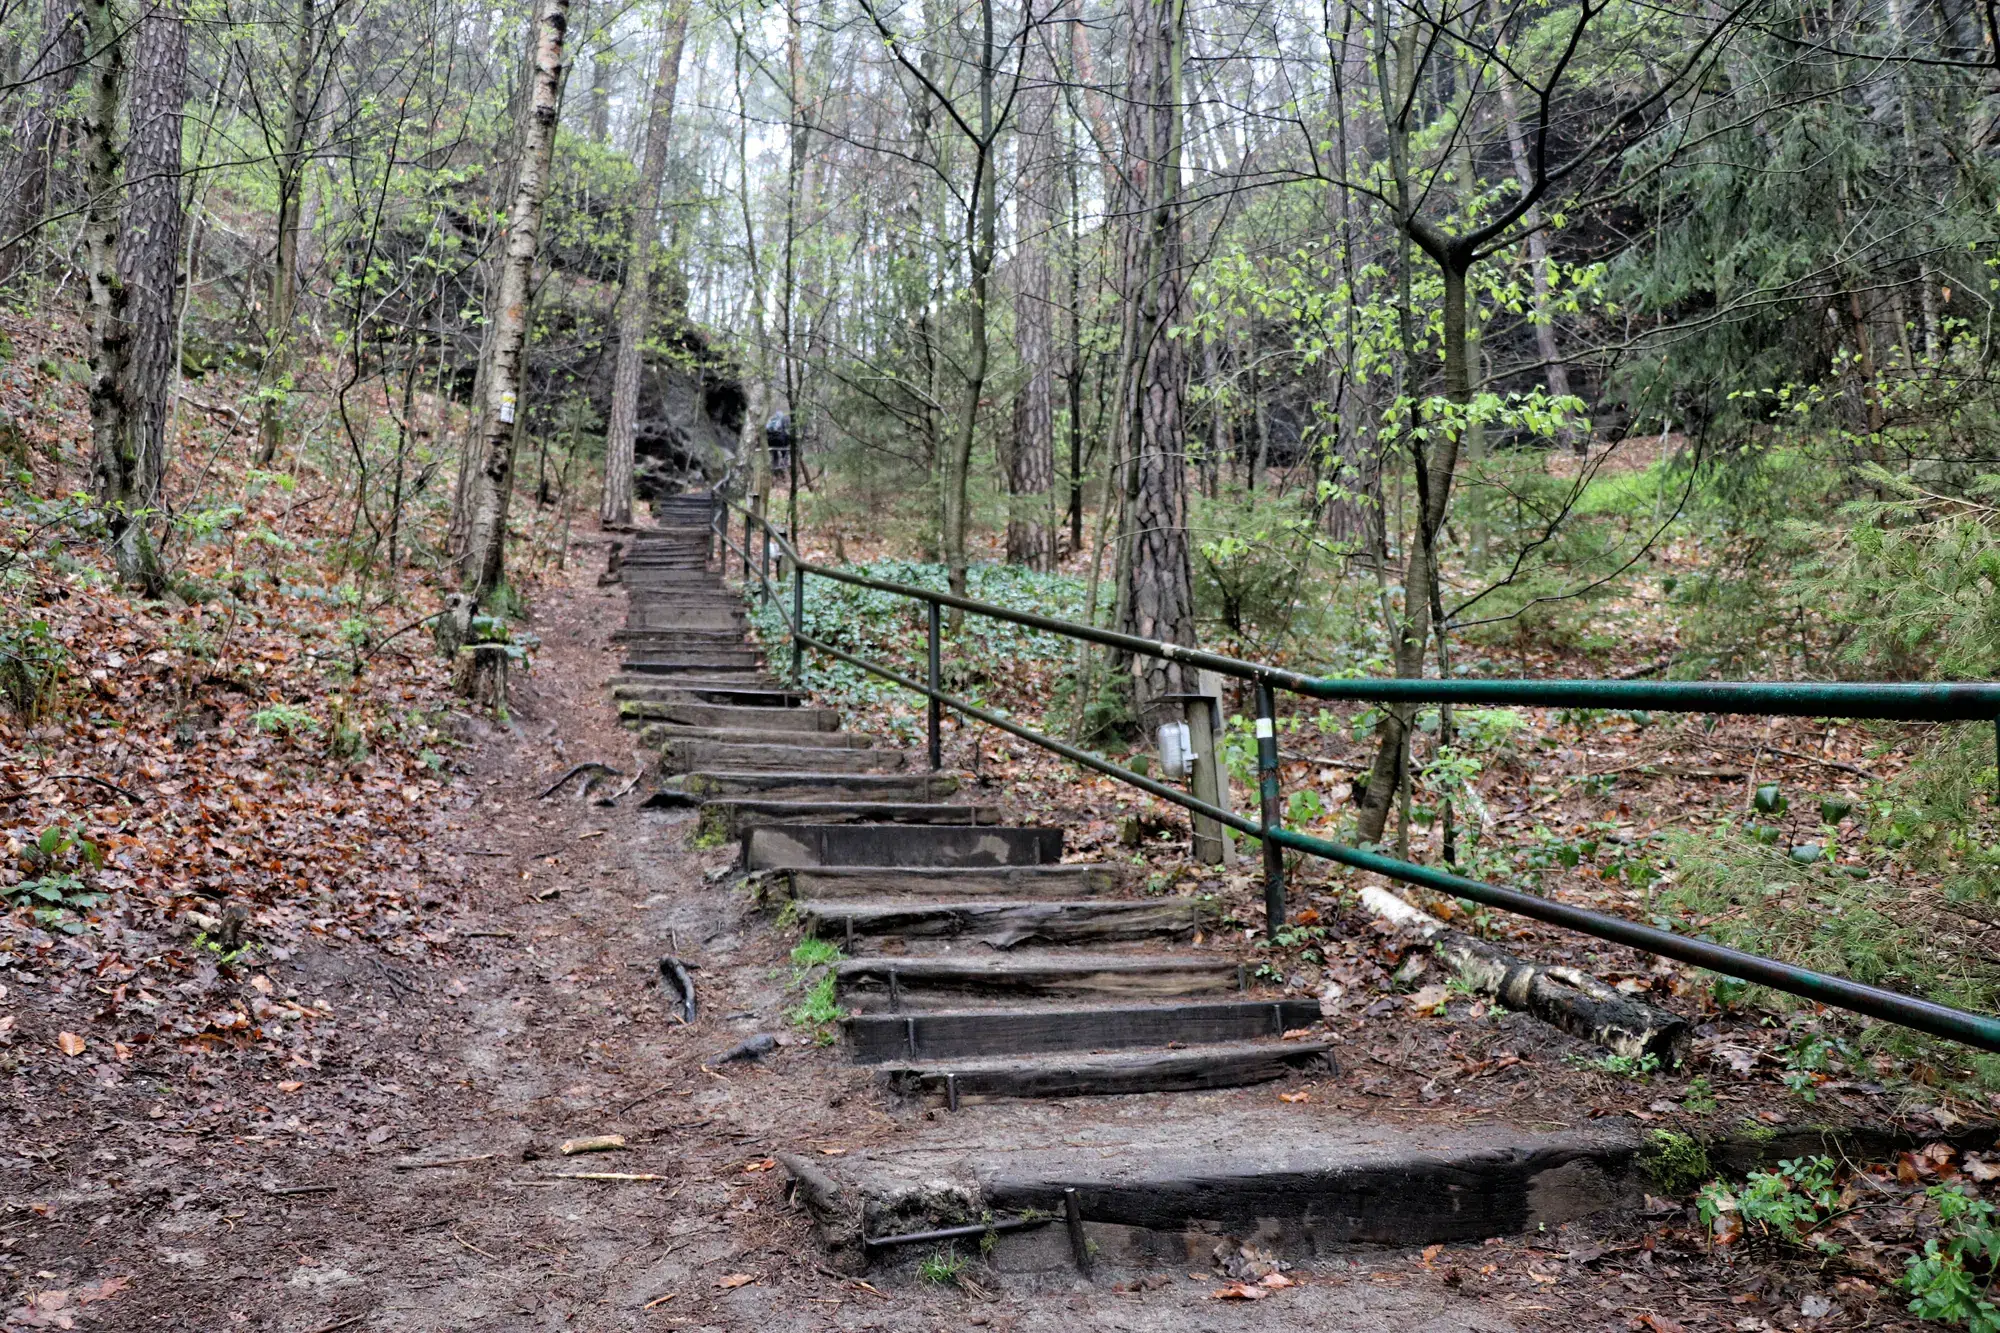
<point>1952,1280</point>
<point>285,720</point>
<point>1785,1206</point>
<point>31,665</point>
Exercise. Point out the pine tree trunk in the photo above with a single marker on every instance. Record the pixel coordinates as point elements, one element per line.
<point>49,81</point>
<point>115,474</point>
<point>1157,601</point>
<point>1032,467</point>
<point>635,302</point>
<point>149,249</point>
<point>484,563</point>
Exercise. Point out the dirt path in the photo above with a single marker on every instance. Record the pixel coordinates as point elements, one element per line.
<point>412,1181</point>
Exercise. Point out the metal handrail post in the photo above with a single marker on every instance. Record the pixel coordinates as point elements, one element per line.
<point>1272,818</point>
<point>764,563</point>
<point>798,623</point>
<point>936,719</point>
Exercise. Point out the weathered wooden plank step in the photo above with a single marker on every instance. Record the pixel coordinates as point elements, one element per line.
<point>735,678</point>
<point>930,883</point>
<point>732,816</point>
<point>661,733</point>
<point>688,620</point>
<point>686,756</point>
<point>1222,1065</point>
<point>707,663</point>
<point>699,692</point>
<point>731,637</point>
<point>789,846</point>
<point>932,1035</point>
<point>1300,1186</point>
<point>1006,925</point>
<point>875,981</point>
<point>773,722</point>
<point>731,716</point>
<point>817,786</point>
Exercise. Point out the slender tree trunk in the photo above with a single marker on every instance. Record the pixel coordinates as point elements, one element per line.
<point>49,82</point>
<point>981,241</point>
<point>149,250</point>
<point>1553,368</point>
<point>634,303</point>
<point>1435,468</point>
<point>115,465</point>
<point>1031,468</point>
<point>600,97</point>
<point>1158,597</point>
<point>484,565</point>
<point>282,307</point>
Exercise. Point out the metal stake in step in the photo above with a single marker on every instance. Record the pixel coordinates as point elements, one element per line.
<point>1079,1247</point>
<point>951,1092</point>
<point>1267,791</point>
<point>936,708</point>
<point>798,623</point>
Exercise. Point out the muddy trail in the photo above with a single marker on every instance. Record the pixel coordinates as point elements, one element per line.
<point>1112,1121</point>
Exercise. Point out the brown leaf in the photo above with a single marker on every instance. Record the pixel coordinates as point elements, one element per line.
<point>1237,1291</point>
<point>70,1044</point>
<point>735,1280</point>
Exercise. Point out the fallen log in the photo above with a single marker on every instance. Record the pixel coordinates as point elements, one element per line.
<point>1562,997</point>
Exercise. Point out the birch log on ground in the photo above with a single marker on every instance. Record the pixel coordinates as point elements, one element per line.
<point>1563,997</point>
<point>484,565</point>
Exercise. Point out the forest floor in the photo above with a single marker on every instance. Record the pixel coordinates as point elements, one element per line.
<point>401,1169</point>
<point>325,983</point>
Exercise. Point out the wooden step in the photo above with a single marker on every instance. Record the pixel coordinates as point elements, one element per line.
<point>788,846</point>
<point>1052,882</point>
<point>815,786</point>
<point>1004,925</point>
<point>684,756</point>
<point>874,982</point>
<point>709,662</point>
<point>1167,1184</point>
<point>1223,1065</point>
<point>729,716</point>
<point>679,619</point>
<point>693,692</point>
<point>935,1035</point>
<point>661,733</point>
<point>732,816</point>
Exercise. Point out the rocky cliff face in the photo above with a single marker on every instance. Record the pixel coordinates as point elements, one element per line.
<point>690,413</point>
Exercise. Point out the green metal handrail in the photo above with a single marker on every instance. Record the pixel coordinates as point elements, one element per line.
<point>1948,702</point>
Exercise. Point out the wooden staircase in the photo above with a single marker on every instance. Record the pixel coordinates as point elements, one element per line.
<point>981,968</point>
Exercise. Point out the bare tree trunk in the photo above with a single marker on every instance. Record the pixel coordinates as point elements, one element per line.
<point>115,468</point>
<point>484,564</point>
<point>1031,469</point>
<point>149,249</point>
<point>634,303</point>
<point>600,97</point>
<point>1158,597</point>
<point>282,307</point>
<point>1553,368</point>
<point>981,242</point>
<point>54,73</point>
